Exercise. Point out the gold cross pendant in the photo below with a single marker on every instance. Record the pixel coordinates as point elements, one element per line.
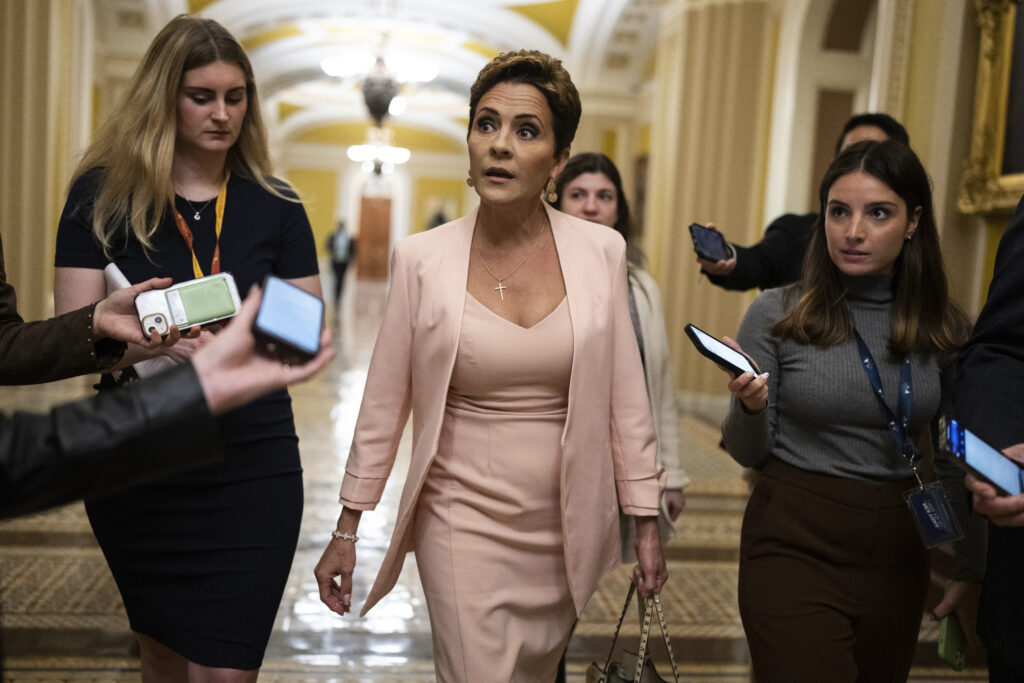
<point>501,290</point>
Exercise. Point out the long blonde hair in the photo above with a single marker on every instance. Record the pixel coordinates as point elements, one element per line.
<point>135,147</point>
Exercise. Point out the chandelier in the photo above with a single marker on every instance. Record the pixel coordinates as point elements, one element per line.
<point>382,78</point>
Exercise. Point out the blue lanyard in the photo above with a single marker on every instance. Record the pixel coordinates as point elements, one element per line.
<point>898,423</point>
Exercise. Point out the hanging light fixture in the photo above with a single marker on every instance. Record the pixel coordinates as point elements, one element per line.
<point>377,154</point>
<point>379,88</point>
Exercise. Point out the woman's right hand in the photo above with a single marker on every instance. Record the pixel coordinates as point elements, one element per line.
<point>750,389</point>
<point>719,268</point>
<point>338,560</point>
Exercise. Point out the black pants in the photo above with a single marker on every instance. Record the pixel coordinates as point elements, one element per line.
<point>339,268</point>
<point>832,579</point>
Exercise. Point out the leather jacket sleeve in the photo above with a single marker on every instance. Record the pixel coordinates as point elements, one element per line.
<point>103,444</point>
<point>48,350</point>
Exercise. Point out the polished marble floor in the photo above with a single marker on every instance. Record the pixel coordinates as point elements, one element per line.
<point>61,618</point>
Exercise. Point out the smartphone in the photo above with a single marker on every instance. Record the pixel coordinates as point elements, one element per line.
<point>709,244</point>
<point>715,349</point>
<point>187,304</point>
<point>290,318</point>
<point>952,644</point>
<point>983,460</point>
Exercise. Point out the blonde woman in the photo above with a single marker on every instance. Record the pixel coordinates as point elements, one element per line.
<point>178,184</point>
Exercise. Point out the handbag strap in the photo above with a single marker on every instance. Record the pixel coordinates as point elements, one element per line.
<point>645,631</point>
<point>625,608</point>
<point>652,604</point>
<point>664,632</point>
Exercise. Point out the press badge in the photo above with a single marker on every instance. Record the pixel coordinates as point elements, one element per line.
<point>930,508</point>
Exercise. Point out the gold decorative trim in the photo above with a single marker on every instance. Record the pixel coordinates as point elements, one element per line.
<point>982,187</point>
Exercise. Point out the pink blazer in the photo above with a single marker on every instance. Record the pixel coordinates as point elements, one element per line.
<point>609,447</point>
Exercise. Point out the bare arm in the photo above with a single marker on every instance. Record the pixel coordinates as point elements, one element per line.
<point>310,283</point>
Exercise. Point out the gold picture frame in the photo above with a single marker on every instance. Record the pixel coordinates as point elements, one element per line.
<point>986,184</point>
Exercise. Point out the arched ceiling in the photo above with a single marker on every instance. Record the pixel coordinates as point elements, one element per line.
<point>605,44</point>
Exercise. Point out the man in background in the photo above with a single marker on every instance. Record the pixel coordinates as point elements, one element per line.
<point>778,258</point>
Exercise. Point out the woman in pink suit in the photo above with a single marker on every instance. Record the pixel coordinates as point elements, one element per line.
<point>507,334</point>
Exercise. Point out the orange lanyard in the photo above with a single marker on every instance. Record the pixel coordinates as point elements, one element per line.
<point>186,232</point>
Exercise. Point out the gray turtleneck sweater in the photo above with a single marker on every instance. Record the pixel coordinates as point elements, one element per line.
<point>822,414</point>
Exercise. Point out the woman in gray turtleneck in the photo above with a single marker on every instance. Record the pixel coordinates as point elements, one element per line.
<point>833,571</point>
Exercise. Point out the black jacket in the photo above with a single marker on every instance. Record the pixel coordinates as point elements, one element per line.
<point>774,261</point>
<point>989,400</point>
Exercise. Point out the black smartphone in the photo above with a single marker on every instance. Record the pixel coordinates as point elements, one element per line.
<point>983,460</point>
<point>715,349</point>
<point>290,318</point>
<point>709,244</point>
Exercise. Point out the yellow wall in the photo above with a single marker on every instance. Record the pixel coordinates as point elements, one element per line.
<point>430,194</point>
<point>318,189</point>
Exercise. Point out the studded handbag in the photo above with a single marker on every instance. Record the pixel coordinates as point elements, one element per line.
<point>642,669</point>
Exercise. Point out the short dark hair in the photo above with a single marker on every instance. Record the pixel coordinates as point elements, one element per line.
<point>593,162</point>
<point>892,128</point>
<point>543,72</point>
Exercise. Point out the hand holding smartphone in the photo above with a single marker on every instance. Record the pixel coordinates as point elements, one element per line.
<point>982,460</point>
<point>718,351</point>
<point>187,304</point>
<point>709,244</point>
<point>290,320</point>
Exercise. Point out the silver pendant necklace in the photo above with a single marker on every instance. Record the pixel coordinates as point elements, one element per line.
<point>197,212</point>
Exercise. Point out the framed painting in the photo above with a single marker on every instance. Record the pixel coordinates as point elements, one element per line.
<point>994,179</point>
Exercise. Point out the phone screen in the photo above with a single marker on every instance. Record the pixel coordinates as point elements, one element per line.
<point>709,243</point>
<point>993,465</point>
<point>722,351</point>
<point>290,315</point>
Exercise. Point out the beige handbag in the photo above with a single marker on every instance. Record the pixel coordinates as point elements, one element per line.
<point>619,672</point>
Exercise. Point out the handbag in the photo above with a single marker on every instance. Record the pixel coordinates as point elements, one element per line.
<point>642,670</point>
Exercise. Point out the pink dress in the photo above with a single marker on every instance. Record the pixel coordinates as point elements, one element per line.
<point>488,534</point>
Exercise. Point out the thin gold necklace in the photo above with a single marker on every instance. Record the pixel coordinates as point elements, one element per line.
<point>501,288</point>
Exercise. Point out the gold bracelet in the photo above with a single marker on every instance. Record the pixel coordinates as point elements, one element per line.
<point>352,538</point>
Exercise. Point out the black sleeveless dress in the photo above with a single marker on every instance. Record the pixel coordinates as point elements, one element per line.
<point>201,559</point>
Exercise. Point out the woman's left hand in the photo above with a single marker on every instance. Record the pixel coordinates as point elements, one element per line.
<point>675,502</point>
<point>650,572</point>
<point>961,598</point>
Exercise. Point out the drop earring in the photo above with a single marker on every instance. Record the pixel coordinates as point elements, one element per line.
<point>552,196</point>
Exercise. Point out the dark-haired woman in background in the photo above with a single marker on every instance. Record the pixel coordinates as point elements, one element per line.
<point>833,571</point>
<point>507,334</point>
<point>590,187</point>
